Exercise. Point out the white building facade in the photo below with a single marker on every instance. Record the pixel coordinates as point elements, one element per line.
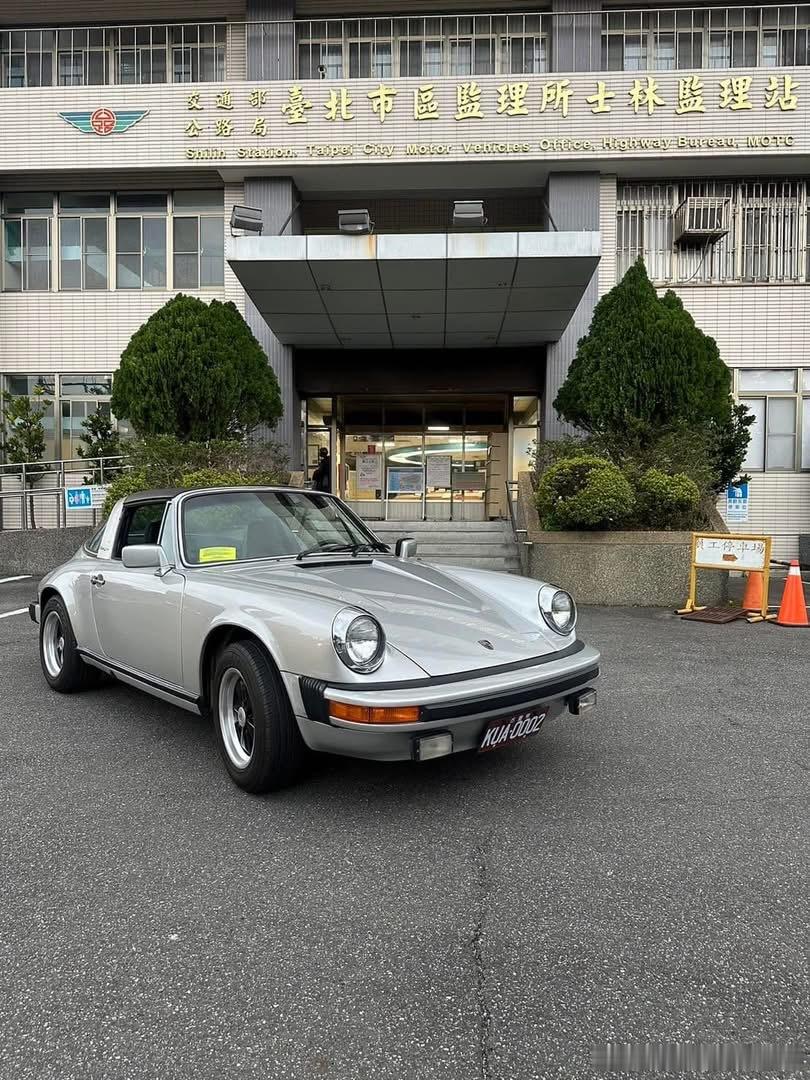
<point>426,355</point>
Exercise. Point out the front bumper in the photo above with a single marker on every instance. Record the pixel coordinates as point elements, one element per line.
<point>462,706</point>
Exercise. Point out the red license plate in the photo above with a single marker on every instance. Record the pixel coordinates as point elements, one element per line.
<point>506,730</point>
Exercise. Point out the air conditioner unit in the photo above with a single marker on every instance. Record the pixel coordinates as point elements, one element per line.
<point>701,220</point>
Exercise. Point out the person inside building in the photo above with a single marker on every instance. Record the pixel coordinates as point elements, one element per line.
<point>322,477</point>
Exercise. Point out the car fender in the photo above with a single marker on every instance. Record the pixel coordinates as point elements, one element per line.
<point>229,626</point>
<point>300,646</point>
<point>71,583</point>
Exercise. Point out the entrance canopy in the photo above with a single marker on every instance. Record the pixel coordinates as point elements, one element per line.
<point>424,290</point>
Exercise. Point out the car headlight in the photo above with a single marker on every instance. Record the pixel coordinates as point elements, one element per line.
<point>359,640</point>
<point>557,608</point>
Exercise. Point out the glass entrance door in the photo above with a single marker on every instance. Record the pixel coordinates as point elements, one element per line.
<point>408,460</point>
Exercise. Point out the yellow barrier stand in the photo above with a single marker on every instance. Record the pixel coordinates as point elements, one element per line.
<point>729,551</point>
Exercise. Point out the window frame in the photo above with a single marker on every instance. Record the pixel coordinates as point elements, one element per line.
<point>712,23</point>
<point>15,273</point>
<point>797,396</point>
<point>195,50</point>
<point>310,46</point>
<point>141,217</point>
<point>37,57</point>
<point>24,219</point>
<point>768,242</point>
<point>57,395</point>
<point>82,218</point>
<point>199,217</point>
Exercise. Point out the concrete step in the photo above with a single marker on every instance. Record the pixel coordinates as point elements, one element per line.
<point>428,548</point>
<point>481,545</point>
<point>476,562</point>
<point>447,536</point>
<point>399,527</point>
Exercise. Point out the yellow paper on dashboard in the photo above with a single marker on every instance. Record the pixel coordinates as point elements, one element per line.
<point>218,554</point>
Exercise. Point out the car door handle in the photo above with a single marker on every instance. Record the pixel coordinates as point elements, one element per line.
<point>97,579</point>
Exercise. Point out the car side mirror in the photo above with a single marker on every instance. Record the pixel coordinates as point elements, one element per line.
<point>405,548</point>
<point>143,556</point>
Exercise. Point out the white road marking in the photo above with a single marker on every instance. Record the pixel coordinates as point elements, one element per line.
<point>8,614</point>
<point>19,577</point>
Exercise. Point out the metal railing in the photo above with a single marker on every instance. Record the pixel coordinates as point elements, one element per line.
<point>425,46</point>
<point>519,530</point>
<point>32,494</point>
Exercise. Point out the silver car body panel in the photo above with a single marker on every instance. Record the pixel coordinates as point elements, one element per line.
<point>454,636</point>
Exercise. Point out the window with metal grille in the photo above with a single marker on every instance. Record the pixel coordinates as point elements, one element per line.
<point>766,239</point>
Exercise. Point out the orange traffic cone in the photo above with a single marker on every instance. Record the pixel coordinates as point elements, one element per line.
<point>752,600</point>
<point>793,610</point>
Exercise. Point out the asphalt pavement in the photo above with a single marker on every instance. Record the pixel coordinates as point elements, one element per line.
<point>639,874</point>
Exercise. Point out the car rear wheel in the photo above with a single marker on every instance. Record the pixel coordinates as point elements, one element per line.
<point>62,666</point>
<point>257,733</point>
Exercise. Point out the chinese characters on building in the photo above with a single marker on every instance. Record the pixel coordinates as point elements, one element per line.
<point>276,108</point>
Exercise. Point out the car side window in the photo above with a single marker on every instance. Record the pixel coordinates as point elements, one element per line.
<point>94,543</point>
<point>140,524</point>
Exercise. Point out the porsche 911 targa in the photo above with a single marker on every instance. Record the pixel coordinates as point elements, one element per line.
<point>279,613</point>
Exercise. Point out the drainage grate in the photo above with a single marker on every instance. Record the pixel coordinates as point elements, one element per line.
<point>716,615</point>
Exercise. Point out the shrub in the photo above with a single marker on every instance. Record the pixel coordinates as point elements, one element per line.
<point>195,371</point>
<point>667,501</point>
<point>585,492</point>
<point>166,462</point>
<point>127,483</point>
<point>211,478</point>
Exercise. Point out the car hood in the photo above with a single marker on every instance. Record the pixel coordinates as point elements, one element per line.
<point>434,616</point>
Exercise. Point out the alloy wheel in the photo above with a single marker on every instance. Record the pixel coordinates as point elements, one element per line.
<point>53,644</point>
<point>236,718</point>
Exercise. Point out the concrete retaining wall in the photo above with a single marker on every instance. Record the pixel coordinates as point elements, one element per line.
<point>641,569</point>
<point>36,551</point>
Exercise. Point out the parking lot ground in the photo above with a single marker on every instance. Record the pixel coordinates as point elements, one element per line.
<point>16,592</point>
<point>638,874</point>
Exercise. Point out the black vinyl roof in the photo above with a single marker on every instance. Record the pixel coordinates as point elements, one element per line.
<point>152,496</point>
<point>170,493</point>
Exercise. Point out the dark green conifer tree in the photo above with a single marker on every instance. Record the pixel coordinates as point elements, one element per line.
<point>645,370</point>
<point>195,371</point>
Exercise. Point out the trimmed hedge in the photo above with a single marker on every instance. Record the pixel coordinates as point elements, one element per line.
<point>586,492</point>
<point>667,501</point>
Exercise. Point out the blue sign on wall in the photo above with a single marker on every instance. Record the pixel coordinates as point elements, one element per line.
<point>737,502</point>
<point>79,498</point>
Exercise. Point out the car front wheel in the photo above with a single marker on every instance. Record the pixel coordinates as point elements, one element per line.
<point>257,733</point>
<point>62,666</point>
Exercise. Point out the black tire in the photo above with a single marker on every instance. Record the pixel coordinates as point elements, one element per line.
<point>63,668</point>
<point>273,755</point>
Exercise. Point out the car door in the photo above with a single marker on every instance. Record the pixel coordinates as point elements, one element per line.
<point>136,610</point>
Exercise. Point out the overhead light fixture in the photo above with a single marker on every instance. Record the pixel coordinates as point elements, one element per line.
<point>469,212</point>
<point>355,222</point>
<point>438,427</point>
<point>247,218</point>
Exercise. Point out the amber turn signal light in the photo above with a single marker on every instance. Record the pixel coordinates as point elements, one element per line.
<point>365,714</point>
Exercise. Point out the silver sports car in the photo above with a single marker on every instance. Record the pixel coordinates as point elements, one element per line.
<point>280,613</point>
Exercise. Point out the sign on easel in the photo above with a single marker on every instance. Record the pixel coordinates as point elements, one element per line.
<point>728,551</point>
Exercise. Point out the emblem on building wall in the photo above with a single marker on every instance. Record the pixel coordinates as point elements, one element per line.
<point>104,121</point>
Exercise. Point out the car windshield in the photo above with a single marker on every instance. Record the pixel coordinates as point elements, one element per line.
<point>231,526</point>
